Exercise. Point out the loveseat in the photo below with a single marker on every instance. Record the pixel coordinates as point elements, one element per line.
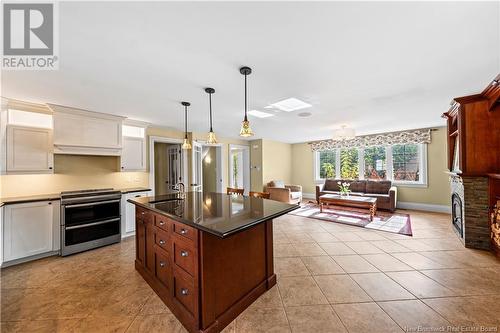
<point>383,190</point>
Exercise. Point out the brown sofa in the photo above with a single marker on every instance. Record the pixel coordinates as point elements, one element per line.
<point>383,190</point>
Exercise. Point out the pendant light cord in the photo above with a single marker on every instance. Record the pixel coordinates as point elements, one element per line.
<point>210,103</point>
<point>185,122</point>
<point>246,119</point>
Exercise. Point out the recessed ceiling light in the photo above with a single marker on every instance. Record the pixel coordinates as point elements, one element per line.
<point>259,114</point>
<point>305,114</point>
<point>291,104</point>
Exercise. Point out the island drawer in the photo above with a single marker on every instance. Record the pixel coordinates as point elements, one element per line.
<point>184,230</point>
<point>163,223</point>
<point>184,254</point>
<point>142,214</point>
<point>163,271</point>
<point>184,290</point>
<point>162,239</point>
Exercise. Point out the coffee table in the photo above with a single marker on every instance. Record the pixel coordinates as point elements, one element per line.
<point>350,201</point>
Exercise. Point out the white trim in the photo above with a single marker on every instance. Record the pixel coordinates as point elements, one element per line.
<point>152,140</point>
<point>424,207</point>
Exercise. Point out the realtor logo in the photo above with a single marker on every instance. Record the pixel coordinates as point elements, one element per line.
<point>29,36</point>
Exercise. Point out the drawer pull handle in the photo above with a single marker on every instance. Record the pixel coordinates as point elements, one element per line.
<point>184,291</point>
<point>142,213</point>
<point>184,231</point>
<point>184,253</point>
<point>162,223</point>
<point>162,242</point>
<point>162,264</point>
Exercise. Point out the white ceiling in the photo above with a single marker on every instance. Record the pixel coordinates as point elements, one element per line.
<point>372,66</point>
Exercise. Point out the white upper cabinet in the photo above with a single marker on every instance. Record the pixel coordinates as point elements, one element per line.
<point>133,156</point>
<point>29,149</point>
<point>84,132</point>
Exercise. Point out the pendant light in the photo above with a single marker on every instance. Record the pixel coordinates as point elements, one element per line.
<point>211,135</point>
<point>344,133</point>
<point>186,145</point>
<point>245,130</point>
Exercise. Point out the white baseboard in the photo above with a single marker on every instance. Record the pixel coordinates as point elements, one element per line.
<point>424,207</point>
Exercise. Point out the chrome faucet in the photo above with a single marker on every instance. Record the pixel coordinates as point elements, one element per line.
<point>181,188</point>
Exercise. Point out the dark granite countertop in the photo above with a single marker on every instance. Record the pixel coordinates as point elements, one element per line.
<point>57,196</point>
<point>30,198</point>
<point>217,213</point>
<point>134,189</point>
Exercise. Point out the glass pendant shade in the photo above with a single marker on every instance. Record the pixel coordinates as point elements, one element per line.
<point>344,133</point>
<point>246,130</point>
<point>186,144</point>
<point>212,139</point>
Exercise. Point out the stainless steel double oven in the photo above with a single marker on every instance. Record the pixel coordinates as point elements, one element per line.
<point>89,219</point>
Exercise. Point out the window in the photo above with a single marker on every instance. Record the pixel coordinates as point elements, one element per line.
<point>402,164</point>
<point>349,166</point>
<point>327,164</point>
<point>375,163</point>
<point>406,162</point>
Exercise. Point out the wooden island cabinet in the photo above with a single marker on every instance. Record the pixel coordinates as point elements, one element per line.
<point>206,262</point>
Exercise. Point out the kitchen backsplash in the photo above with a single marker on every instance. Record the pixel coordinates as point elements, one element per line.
<point>72,172</point>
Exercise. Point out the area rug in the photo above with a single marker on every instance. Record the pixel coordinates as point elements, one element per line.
<point>383,221</point>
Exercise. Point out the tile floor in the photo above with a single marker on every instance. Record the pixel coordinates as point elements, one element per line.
<point>331,278</point>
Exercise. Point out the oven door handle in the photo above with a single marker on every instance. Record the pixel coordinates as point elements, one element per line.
<point>92,224</point>
<point>91,203</point>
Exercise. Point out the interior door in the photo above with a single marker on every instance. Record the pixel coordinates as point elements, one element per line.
<point>196,176</point>
<point>174,163</point>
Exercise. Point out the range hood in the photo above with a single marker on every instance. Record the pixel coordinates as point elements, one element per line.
<point>83,132</point>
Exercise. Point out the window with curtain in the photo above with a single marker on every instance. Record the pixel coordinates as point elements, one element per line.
<point>327,164</point>
<point>406,162</point>
<point>375,163</point>
<point>349,166</point>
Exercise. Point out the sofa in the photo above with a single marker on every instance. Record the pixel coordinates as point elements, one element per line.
<point>383,190</point>
<point>285,193</point>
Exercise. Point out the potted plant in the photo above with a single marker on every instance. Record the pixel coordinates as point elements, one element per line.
<point>344,188</point>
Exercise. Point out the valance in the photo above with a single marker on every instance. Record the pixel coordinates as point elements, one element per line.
<point>384,139</point>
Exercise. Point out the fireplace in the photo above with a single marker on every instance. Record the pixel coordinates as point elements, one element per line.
<point>457,214</point>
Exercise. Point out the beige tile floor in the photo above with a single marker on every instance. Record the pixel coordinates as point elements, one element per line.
<point>331,278</point>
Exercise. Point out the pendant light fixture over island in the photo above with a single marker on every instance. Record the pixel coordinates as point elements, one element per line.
<point>186,145</point>
<point>211,135</point>
<point>245,130</point>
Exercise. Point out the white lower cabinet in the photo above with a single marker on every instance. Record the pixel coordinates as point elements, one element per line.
<point>30,229</point>
<point>128,212</point>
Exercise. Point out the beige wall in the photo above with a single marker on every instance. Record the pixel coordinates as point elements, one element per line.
<point>256,180</point>
<point>437,192</point>
<point>276,161</point>
<point>72,172</point>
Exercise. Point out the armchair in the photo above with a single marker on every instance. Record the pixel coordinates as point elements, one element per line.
<point>285,193</point>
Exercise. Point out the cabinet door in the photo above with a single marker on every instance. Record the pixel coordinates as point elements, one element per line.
<point>128,212</point>
<point>28,229</point>
<point>140,241</point>
<point>29,149</point>
<point>133,154</point>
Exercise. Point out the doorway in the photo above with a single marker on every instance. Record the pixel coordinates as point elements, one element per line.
<point>239,167</point>
<point>167,164</point>
<point>211,168</point>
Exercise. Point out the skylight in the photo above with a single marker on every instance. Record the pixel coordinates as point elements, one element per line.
<point>259,114</point>
<point>291,104</point>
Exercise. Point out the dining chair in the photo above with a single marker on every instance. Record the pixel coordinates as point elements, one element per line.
<point>237,191</point>
<point>263,195</point>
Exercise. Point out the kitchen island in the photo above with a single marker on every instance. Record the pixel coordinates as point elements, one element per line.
<point>208,256</point>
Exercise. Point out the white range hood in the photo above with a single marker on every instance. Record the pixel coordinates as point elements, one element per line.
<point>82,132</point>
